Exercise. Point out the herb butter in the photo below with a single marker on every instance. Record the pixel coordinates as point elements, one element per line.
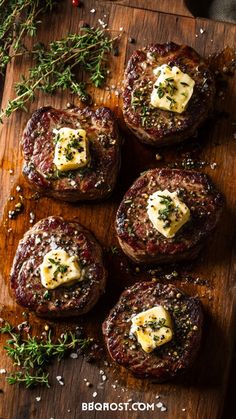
<point>172,90</point>
<point>71,149</point>
<point>167,212</point>
<point>152,328</point>
<point>59,268</point>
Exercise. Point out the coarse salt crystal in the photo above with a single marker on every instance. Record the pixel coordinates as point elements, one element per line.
<point>73,355</point>
<point>159,405</point>
<point>95,394</point>
<point>3,371</point>
<point>59,378</point>
<point>38,398</point>
<point>102,23</point>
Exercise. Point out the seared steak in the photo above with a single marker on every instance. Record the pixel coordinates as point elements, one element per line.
<point>49,234</point>
<point>172,357</point>
<point>138,237</point>
<point>94,181</point>
<point>161,127</point>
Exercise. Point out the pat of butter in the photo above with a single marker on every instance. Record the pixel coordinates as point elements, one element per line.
<point>71,149</point>
<point>172,90</point>
<point>167,212</point>
<point>152,328</point>
<point>59,268</point>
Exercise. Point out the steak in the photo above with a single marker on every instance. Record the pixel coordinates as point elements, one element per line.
<point>142,242</point>
<point>159,127</point>
<point>173,357</point>
<point>91,182</point>
<point>49,234</point>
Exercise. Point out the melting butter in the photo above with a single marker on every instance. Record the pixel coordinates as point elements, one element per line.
<point>71,148</point>
<point>167,212</point>
<point>59,268</point>
<point>152,328</point>
<point>172,90</point>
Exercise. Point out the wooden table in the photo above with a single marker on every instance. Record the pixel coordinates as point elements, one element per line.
<point>199,394</point>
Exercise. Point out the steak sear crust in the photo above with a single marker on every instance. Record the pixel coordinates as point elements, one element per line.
<point>91,182</point>
<point>142,242</point>
<point>168,360</point>
<point>159,127</point>
<point>49,234</point>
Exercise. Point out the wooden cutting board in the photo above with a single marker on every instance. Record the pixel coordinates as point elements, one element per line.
<point>200,393</point>
<point>168,6</point>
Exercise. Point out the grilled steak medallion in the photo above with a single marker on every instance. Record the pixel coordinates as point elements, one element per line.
<point>54,234</point>
<point>167,360</point>
<point>97,178</point>
<point>138,236</point>
<point>151,124</point>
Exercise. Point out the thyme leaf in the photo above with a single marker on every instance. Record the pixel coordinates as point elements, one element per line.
<point>60,267</point>
<point>165,213</point>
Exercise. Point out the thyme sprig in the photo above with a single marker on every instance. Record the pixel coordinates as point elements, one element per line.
<point>18,19</point>
<point>56,66</point>
<point>29,380</point>
<point>33,355</point>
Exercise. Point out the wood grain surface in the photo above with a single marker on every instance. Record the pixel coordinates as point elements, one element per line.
<point>168,6</point>
<point>200,393</point>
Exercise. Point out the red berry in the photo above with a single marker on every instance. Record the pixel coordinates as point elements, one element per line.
<point>76,3</point>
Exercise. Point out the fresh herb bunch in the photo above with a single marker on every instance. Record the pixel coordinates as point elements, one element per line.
<point>56,67</point>
<point>33,355</point>
<point>18,18</point>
